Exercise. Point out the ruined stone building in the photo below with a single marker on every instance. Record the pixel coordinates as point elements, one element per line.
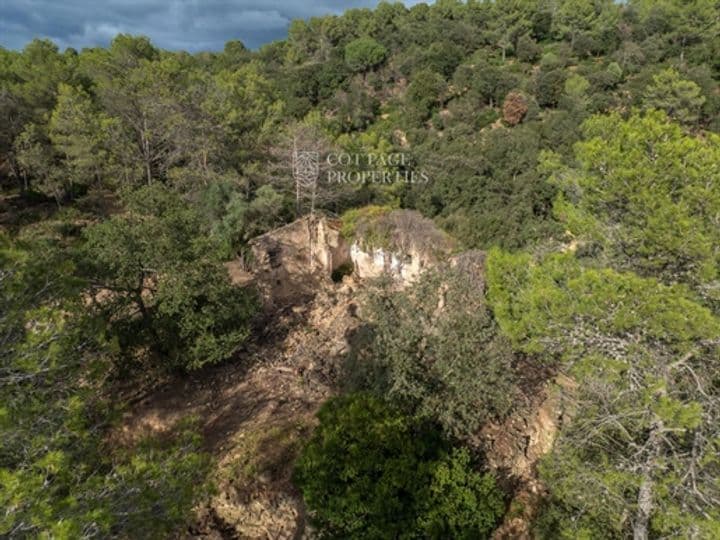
<point>290,262</point>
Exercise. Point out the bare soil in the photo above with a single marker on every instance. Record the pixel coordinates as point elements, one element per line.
<point>254,413</point>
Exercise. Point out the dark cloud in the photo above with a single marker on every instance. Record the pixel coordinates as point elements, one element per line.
<point>191,25</point>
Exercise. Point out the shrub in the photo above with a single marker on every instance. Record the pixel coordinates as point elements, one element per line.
<point>170,290</point>
<point>434,348</point>
<point>371,472</point>
<point>549,87</point>
<point>425,93</point>
<point>355,216</point>
<point>527,49</point>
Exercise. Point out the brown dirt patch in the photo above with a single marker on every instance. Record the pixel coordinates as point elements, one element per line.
<point>254,413</point>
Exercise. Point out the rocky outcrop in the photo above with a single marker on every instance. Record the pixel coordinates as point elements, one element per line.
<point>290,263</point>
<point>516,446</point>
<point>398,243</point>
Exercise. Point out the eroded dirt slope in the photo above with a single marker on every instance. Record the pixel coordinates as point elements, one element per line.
<point>254,413</point>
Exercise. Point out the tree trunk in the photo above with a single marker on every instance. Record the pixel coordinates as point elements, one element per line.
<point>156,344</point>
<point>146,151</point>
<point>645,494</point>
<point>297,180</point>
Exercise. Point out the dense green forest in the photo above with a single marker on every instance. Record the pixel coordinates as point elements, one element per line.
<point>576,141</point>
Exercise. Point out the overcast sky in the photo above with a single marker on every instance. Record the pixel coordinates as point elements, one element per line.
<point>191,25</point>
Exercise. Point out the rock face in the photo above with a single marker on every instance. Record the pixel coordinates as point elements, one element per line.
<point>399,243</point>
<point>291,262</point>
<point>518,444</point>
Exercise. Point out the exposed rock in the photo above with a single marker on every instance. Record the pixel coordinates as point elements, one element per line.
<point>517,445</point>
<point>521,440</point>
<point>292,262</point>
<point>373,263</point>
<point>410,244</point>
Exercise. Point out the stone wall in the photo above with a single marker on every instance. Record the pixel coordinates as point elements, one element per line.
<point>288,262</point>
<point>372,263</point>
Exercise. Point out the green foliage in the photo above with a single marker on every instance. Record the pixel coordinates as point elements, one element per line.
<point>36,160</point>
<point>35,76</point>
<point>576,86</point>
<point>643,193</point>
<point>364,53</point>
<point>244,102</point>
<point>371,472</point>
<point>528,49</point>
<point>425,93</point>
<point>549,86</point>
<point>354,110</point>
<point>79,134</point>
<point>645,358</point>
<point>485,189</point>
<point>239,220</point>
<point>442,57</point>
<point>435,349</point>
<point>148,492</point>
<point>166,286</point>
<point>356,217</point>
<point>537,303</point>
<point>461,504</point>
<point>680,99</point>
<point>58,476</point>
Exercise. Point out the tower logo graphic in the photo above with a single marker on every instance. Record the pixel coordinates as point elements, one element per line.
<point>306,168</point>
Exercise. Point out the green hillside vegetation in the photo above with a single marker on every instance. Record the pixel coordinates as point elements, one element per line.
<point>577,141</point>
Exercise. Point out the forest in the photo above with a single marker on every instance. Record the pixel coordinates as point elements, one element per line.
<point>574,143</point>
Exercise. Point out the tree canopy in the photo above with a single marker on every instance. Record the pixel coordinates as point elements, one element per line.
<point>575,142</point>
<point>371,472</point>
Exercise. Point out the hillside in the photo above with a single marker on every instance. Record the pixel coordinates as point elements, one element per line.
<point>447,271</point>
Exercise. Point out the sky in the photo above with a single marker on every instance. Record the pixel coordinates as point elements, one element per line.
<point>191,25</point>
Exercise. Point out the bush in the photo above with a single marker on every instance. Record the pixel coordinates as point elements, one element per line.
<point>549,87</point>
<point>528,49</point>
<point>370,472</point>
<point>447,364</point>
<point>425,93</point>
<point>170,291</point>
<point>357,216</point>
